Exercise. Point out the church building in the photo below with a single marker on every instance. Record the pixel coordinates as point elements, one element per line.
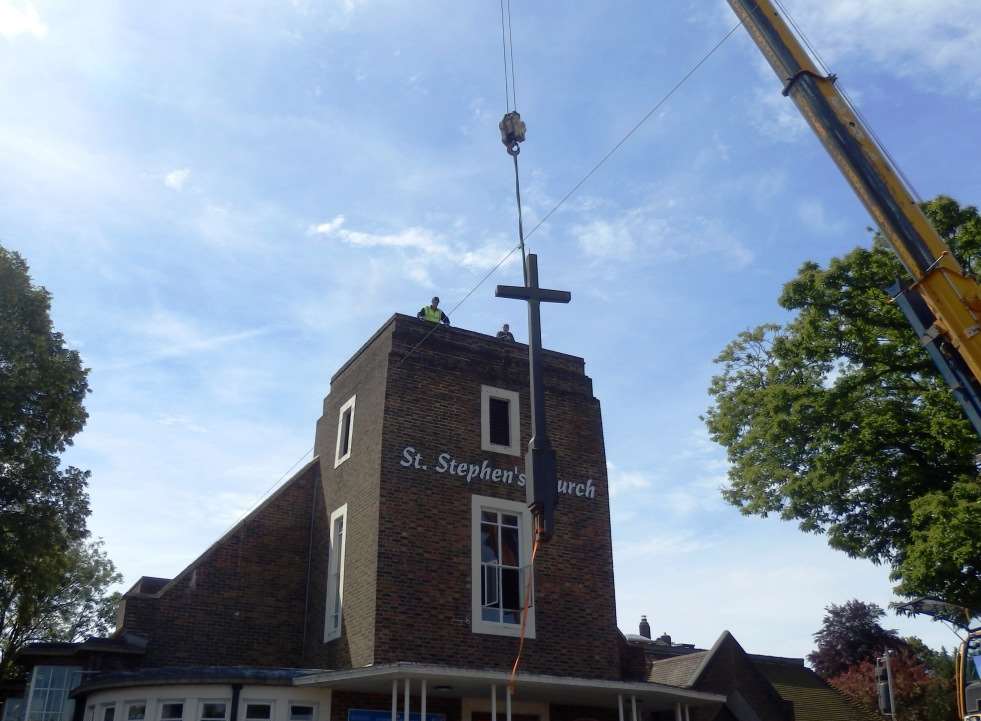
<point>387,579</point>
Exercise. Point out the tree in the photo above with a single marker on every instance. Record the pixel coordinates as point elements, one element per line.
<point>65,600</point>
<point>51,581</point>
<point>920,695</point>
<point>839,420</point>
<point>850,634</point>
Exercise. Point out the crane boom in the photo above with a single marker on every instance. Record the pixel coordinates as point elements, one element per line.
<point>942,303</point>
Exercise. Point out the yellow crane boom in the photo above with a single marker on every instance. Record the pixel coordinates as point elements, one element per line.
<point>943,304</point>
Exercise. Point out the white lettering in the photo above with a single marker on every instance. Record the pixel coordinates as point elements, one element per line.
<point>485,471</point>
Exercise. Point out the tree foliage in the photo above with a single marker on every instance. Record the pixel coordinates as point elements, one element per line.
<point>850,634</point>
<point>52,582</point>
<point>919,693</point>
<point>839,420</point>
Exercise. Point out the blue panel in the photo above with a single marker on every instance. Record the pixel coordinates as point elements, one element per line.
<point>360,714</point>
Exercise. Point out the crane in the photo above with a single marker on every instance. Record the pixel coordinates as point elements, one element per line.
<point>943,303</point>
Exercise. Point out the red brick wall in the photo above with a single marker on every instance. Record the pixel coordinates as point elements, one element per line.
<point>424,562</point>
<point>243,602</point>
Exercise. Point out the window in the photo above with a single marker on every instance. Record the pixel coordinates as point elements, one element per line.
<point>171,710</point>
<point>335,574</point>
<point>500,553</point>
<point>48,698</point>
<point>13,709</point>
<point>500,429</point>
<point>214,710</point>
<point>109,712</point>
<point>345,432</point>
<point>136,711</point>
<point>258,710</point>
<point>303,712</point>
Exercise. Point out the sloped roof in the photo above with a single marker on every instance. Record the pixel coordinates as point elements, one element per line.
<point>813,698</point>
<point>677,671</point>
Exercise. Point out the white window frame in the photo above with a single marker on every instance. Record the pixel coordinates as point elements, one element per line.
<point>164,701</point>
<point>103,707</point>
<point>244,715</point>
<point>514,420</point>
<point>335,570</point>
<point>136,702</point>
<point>312,704</point>
<point>478,504</point>
<point>349,405</point>
<point>202,702</point>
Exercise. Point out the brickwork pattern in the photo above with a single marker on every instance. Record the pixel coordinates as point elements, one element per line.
<point>244,601</point>
<point>424,564</point>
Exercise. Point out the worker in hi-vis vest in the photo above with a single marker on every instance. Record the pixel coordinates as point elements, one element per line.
<point>432,313</point>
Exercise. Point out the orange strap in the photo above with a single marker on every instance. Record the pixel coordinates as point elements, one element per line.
<point>524,612</point>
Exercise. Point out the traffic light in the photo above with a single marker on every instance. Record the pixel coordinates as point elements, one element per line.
<point>883,685</point>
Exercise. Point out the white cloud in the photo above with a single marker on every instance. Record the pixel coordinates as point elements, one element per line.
<point>176,179</point>
<point>679,543</point>
<point>666,229</point>
<point>621,480</point>
<point>425,244</point>
<point>20,18</point>
<point>934,42</point>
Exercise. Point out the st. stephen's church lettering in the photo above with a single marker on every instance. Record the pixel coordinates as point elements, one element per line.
<point>485,471</point>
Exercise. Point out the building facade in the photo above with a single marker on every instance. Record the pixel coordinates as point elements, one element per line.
<point>392,576</point>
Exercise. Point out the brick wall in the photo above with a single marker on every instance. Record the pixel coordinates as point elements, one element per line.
<point>354,482</point>
<point>424,556</point>
<point>243,602</point>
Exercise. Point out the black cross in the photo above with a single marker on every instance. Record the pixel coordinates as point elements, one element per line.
<point>540,462</point>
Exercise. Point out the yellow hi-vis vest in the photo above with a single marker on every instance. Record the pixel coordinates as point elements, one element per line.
<point>432,314</point>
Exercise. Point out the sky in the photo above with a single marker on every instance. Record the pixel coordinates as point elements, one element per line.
<point>226,199</point>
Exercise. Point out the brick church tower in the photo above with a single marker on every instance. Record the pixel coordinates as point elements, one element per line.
<point>421,447</point>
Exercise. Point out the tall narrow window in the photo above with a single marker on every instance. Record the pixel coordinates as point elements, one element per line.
<point>501,566</point>
<point>345,432</point>
<point>499,421</point>
<point>335,574</point>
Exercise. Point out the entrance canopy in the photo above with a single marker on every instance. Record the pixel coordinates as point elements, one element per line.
<point>447,682</point>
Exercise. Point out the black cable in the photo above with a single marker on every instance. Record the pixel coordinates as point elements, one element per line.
<point>514,88</point>
<point>504,49</point>
<point>636,127</point>
<point>578,185</point>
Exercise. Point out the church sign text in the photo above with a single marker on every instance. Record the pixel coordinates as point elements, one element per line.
<point>447,464</point>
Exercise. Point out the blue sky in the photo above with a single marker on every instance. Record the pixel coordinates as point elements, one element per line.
<point>227,198</point>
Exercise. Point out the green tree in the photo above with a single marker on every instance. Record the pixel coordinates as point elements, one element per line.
<point>51,581</point>
<point>839,420</point>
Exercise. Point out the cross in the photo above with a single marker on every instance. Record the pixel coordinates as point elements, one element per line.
<point>540,461</point>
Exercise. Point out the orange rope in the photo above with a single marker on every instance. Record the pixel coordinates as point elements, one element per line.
<point>524,611</point>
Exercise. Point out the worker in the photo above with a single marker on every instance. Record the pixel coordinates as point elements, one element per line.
<point>505,333</point>
<point>432,313</point>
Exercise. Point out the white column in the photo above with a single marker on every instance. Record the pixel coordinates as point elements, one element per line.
<point>508,702</point>
<point>423,706</point>
<point>687,712</point>
<point>405,704</point>
<point>677,713</point>
<point>395,698</point>
<point>493,702</point>
<point>633,708</point>
<point>620,705</point>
